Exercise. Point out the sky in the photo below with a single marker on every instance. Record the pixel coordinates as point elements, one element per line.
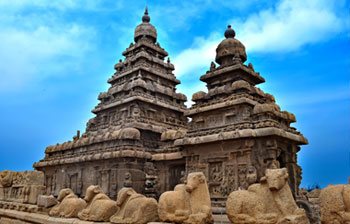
<point>56,57</point>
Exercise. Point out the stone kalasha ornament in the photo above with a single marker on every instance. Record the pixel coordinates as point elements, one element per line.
<point>188,203</point>
<point>271,201</point>
<point>335,204</point>
<point>134,208</point>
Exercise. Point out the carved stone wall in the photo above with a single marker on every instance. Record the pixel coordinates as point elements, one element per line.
<point>21,187</point>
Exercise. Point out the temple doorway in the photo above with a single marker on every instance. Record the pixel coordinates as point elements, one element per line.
<point>176,173</point>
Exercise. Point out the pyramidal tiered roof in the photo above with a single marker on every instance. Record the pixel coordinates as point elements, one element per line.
<point>234,107</point>
<point>140,105</point>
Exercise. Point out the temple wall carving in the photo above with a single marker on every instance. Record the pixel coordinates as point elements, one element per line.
<point>21,187</point>
<point>233,165</point>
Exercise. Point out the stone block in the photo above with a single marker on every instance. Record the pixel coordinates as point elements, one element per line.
<point>35,191</point>
<point>46,201</point>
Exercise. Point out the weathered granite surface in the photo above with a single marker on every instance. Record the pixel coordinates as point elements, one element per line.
<point>22,187</point>
<point>270,201</point>
<point>141,136</point>
<point>335,204</point>
<point>188,203</point>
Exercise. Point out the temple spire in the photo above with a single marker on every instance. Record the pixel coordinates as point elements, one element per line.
<point>146,18</point>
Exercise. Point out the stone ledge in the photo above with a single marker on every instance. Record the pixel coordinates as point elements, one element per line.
<point>39,218</point>
<point>245,133</point>
<point>26,217</point>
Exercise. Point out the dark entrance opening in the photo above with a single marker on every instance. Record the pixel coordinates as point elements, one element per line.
<point>176,173</point>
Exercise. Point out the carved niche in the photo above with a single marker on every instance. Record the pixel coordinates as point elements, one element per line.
<point>216,174</point>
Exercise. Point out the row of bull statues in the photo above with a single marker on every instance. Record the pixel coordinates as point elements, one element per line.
<point>268,202</point>
<point>188,203</point>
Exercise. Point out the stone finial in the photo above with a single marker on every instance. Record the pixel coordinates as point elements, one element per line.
<point>146,18</point>
<point>212,66</point>
<point>230,50</point>
<point>230,33</point>
<point>145,29</point>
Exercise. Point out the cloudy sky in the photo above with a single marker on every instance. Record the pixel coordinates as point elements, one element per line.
<point>56,56</point>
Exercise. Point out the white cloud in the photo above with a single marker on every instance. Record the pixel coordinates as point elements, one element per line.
<point>287,26</point>
<point>189,89</point>
<point>196,57</point>
<point>32,48</point>
<point>25,55</point>
<point>21,4</point>
<point>290,25</point>
<point>61,5</point>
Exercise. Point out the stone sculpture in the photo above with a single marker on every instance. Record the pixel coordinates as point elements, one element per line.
<point>335,204</point>
<point>69,204</point>
<point>99,206</point>
<point>188,203</point>
<point>271,201</point>
<point>6,177</point>
<point>134,208</point>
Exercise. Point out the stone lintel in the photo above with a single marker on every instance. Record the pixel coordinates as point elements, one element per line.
<point>150,70</point>
<point>128,153</point>
<point>157,88</point>
<point>140,44</point>
<point>152,127</point>
<point>256,78</point>
<point>141,98</point>
<point>151,58</point>
<point>220,105</point>
<point>167,156</point>
<point>245,133</point>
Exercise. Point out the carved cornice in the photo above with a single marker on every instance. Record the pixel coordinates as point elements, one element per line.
<point>245,133</point>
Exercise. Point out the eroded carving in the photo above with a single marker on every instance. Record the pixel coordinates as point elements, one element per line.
<point>69,205</point>
<point>188,203</point>
<point>271,201</point>
<point>134,208</point>
<point>99,206</point>
<point>335,204</point>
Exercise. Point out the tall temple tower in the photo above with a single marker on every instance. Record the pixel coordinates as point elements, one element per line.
<point>119,142</point>
<point>237,131</point>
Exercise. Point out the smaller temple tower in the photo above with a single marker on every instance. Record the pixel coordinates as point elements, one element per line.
<point>237,131</point>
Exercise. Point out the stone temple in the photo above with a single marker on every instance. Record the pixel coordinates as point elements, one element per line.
<point>143,136</point>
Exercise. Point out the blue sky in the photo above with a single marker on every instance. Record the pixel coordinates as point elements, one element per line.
<point>56,56</point>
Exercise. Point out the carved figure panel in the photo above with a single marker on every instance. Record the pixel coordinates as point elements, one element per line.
<point>215,172</point>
